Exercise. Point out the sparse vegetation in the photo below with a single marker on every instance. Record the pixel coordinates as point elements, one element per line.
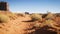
<point>50,16</point>
<point>33,24</point>
<point>20,14</point>
<point>48,22</point>
<point>3,18</point>
<point>37,25</point>
<point>36,17</point>
<point>12,15</point>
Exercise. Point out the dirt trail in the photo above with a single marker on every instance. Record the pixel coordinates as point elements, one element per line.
<point>15,26</point>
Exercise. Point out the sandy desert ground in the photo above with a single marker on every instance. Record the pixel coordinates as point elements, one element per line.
<point>24,24</point>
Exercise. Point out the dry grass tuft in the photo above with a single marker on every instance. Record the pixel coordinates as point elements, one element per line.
<point>36,17</point>
<point>3,18</point>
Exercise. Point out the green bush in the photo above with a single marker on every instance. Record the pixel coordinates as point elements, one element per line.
<point>3,18</point>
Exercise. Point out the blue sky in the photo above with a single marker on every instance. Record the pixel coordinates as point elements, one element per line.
<point>34,6</point>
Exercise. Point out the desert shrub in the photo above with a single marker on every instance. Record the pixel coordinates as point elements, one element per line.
<point>37,25</point>
<point>50,16</point>
<point>50,23</point>
<point>12,15</point>
<point>36,17</point>
<point>3,18</point>
<point>45,23</point>
<point>54,24</point>
<point>19,14</point>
